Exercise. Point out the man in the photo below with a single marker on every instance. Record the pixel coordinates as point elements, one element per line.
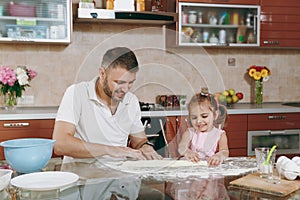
<point>96,118</point>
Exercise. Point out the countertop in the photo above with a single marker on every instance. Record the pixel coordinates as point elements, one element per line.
<point>49,112</point>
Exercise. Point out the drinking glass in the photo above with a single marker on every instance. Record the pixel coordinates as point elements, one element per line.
<point>261,154</point>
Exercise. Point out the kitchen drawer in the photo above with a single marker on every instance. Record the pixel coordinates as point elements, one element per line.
<point>26,124</point>
<point>274,121</point>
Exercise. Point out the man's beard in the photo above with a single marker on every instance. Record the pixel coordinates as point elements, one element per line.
<point>109,92</point>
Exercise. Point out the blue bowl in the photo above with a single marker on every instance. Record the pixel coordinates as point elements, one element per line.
<point>29,154</point>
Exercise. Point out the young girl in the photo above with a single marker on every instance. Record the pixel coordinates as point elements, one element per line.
<point>205,139</point>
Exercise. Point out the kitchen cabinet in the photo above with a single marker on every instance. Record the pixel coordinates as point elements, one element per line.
<point>201,24</point>
<point>175,127</point>
<point>171,130</point>
<point>36,21</point>
<point>165,16</point>
<point>13,129</point>
<point>282,129</point>
<point>236,131</point>
<point>245,2</point>
<point>280,23</point>
<point>274,121</point>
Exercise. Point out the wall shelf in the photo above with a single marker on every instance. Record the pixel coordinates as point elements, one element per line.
<point>144,18</point>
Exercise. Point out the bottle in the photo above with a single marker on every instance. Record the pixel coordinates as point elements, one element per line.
<point>200,17</point>
<point>235,18</point>
<point>222,36</point>
<point>109,4</point>
<point>205,36</point>
<point>140,5</point>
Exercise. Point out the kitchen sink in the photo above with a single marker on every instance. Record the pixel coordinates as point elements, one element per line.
<point>294,104</point>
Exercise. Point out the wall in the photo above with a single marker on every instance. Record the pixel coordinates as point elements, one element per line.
<point>175,71</point>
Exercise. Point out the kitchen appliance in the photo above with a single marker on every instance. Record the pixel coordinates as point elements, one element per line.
<point>287,141</point>
<point>294,104</point>
<point>153,128</point>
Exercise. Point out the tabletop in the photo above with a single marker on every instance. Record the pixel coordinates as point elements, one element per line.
<point>103,180</point>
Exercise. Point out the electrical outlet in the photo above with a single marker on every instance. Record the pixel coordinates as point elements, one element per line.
<point>231,62</point>
<point>26,100</point>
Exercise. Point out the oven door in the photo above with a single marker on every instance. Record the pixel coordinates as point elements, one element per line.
<point>287,141</point>
<point>154,133</point>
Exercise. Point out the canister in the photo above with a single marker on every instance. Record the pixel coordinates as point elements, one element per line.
<point>192,17</point>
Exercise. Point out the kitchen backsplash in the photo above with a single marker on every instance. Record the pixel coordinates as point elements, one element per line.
<point>180,71</point>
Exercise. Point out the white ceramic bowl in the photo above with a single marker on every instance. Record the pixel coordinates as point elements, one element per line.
<point>281,161</point>
<point>290,175</point>
<point>5,176</point>
<point>296,159</point>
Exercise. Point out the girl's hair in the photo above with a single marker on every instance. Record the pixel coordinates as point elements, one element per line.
<point>205,96</point>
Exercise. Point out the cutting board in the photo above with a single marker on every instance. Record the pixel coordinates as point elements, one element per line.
<point>255,183</point>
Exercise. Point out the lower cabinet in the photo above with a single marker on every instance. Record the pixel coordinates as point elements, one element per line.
<point>13,129</point>
<point>236,130</point>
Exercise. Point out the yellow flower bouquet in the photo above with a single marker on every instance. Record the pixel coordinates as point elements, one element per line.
<point>260,74</point>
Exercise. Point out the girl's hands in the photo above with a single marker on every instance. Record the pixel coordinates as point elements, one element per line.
<point>192,156</point>
<point>215,160</point>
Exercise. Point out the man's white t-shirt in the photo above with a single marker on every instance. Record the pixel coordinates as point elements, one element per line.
<point>93,119</point>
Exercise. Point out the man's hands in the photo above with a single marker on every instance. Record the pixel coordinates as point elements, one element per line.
<point>146,152</point>
<point>126,152</point>
<point>149,153</point>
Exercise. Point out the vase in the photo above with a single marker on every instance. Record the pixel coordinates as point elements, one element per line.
<point>258,92</point>
<point>10,101</point>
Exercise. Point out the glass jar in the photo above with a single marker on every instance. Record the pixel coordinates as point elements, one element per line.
<point>140,5</point>
<point>110,4</point>
<point>192,17</point>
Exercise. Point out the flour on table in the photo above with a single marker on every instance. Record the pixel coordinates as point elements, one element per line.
<point>162,163</point>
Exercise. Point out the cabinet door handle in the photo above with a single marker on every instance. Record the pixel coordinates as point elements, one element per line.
<point>20,124</point>
<point>277,132</point>
<point>271,42</point>
<point>254,25</point>
<point>276,117</point>
<point>152,135</point>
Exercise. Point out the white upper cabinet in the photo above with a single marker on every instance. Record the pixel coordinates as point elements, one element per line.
<point>202,24</point>
<point>40,21</point>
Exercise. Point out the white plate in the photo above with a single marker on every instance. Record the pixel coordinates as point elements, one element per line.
<point>41,181</point>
